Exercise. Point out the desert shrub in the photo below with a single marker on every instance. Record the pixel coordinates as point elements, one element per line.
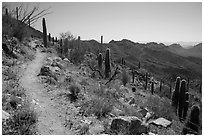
<point>74,92</point>
<point>100,104</point>
<point>125,77</point>
<point>21,123</point>
<point>159,107</point>
<point>13,28</point>
<point>77,55</point>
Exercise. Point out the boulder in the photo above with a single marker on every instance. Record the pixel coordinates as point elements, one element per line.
<point>129,125</point>
<point>96,129</point>
<point>161,122</point>
<point>5,115</point>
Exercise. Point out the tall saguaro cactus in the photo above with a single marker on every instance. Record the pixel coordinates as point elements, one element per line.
<point>6,11</point>
<point>49,37</point>
<point>17,13</point>
<point>182,99</point>
<point>152,88</point>
<point>133,76</point>
<point>139,65</point>
<point>160,87</point>
<point>175,96</point>
<point>186,104</point>
<point>44,32</point>
<point>107,63</point>
<point>100,60</point>
<point>146,81</point>
<point>79,42</point>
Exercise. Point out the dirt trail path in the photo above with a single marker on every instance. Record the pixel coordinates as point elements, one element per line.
<point>48,113</point>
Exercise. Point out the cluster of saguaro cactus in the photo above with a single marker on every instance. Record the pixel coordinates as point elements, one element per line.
<point>122,61</point>
<point>44,32</point>
<point>192,125</point>
<point>107,63</point>
<point>100,61</point>
<point>180,99</point>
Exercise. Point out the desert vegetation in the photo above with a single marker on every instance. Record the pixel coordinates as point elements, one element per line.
<point>90,88</point>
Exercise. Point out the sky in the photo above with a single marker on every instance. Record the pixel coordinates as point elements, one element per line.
<point>136,21</point>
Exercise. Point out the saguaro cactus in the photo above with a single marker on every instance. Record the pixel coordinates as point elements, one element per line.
<point>146,81</point>
<point>17,13</point>
<point>152,87</point>
<point>100,60</point>
<point>139,65</point>
<point>79,42</point>
<point>160,87</point>
<point>182,99</point>
<point>28,22</point>
<point>175,96</point>
<point>6,11</point>
<point>186,104</point>
<point>49,37</point>
<point>44,32</point>
<point>53,40</point>
<point>133,76</point>
<point>56,39</point>
<point>107,63</point>
<point>192,125</point>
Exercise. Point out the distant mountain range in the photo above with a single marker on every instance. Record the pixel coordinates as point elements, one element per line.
<point>162,61</point>
<point>194,51</point>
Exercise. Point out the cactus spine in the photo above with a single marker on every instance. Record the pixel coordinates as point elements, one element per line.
<point>175,96</point>
<point>182,99</point>
<point>152,88</point>
<point>44,32</point>
<point>100,60</point>
<point>192,125</point>
<point>107,63</point>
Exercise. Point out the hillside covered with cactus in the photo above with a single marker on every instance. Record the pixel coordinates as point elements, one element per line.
<point>69,86</point>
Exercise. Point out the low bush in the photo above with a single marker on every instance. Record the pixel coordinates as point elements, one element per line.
<point>124,77</point>
<point>21,123</point>
<point>74,92</point>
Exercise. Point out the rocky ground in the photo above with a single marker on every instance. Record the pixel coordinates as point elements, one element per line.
<point>73,99</point>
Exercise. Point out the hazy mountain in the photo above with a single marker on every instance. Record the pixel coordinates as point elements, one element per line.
<point>195,51</point>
